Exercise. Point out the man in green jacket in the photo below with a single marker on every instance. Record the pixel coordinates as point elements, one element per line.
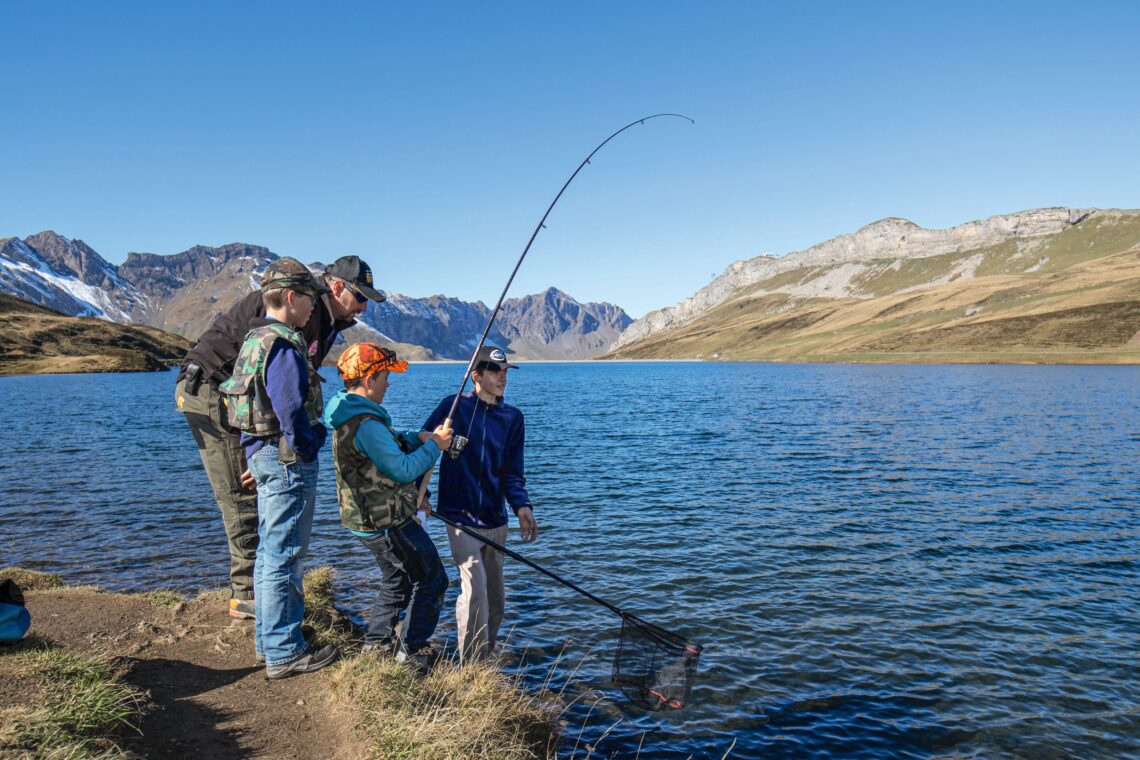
<point>211,361</point>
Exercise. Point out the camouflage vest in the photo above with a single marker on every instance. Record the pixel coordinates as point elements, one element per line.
<point>247,404</point>
<point>369,500</point>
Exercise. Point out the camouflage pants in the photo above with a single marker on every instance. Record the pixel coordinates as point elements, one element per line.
<point>224,460</point>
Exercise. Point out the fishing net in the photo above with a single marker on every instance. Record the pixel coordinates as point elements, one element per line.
<point>654,667</point>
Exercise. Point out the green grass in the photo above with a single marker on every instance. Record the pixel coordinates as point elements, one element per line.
<point>1093,239</point>
<point>82,709</point>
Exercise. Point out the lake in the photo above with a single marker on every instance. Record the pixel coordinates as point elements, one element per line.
<point>881,561</point>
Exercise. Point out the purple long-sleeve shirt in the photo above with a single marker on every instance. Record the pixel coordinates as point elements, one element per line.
<point>287,383</point>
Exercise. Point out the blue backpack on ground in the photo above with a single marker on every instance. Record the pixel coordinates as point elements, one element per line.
<point>14,617</point>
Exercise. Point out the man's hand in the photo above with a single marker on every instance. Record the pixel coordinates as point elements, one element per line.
<point>442,437</point>
<point>247,479</point>
<point>425,506</point>
<point>527,526</point>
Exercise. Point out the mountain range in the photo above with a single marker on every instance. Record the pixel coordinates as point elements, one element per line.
<point>1054,284</point>
<point>1044,285</point>
<point>184,292</point>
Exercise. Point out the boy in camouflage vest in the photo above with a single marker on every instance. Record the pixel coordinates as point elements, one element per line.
<point>376,469</point>
<point>274,399</point>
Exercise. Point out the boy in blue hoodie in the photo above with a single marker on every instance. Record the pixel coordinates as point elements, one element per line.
<point>376,469</point>
<point>474,490</point>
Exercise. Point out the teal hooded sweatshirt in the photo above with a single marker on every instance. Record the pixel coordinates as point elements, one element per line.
<point>374,440</point>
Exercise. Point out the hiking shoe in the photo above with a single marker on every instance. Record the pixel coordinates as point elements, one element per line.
<point>420,660</point>
<point>306,662</point>
<point>242,609</point>
<point>382,646</point>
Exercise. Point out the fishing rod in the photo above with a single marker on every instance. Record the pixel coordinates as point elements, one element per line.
<point>458,442</point>
<point>534,565</point>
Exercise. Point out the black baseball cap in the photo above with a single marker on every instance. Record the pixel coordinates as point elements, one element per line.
<point>355,272</point>
<point>493,355</point>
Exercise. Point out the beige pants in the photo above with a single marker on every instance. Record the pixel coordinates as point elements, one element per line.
<point>479,609</point>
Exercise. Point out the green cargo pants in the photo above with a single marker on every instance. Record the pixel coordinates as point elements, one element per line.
<point>224,460</point>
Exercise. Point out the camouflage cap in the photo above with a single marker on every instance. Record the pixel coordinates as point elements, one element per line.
<point>288,273</point>
<point>362,359</point>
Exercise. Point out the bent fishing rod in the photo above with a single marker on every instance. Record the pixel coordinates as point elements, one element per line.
<point>458,441</point>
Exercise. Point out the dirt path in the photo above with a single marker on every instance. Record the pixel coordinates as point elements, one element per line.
<point>210,699</point>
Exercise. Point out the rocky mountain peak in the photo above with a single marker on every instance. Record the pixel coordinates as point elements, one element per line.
<point>73,257</point>
<point>159,275</point>
<point>553,325</point>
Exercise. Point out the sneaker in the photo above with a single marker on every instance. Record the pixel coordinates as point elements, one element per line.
<point>242,609</point>
<point>306,662</point>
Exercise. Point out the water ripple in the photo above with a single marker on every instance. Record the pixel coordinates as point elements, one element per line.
<point>906,562</point>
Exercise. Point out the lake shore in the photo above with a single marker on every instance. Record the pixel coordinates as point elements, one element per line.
<point>102,365</point>
<point>186,684</point>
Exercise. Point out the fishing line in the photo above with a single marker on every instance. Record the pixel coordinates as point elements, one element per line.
<point>538,228</point>
<point>654,667</point>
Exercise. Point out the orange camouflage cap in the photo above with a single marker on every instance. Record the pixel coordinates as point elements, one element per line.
<point>362,359</point>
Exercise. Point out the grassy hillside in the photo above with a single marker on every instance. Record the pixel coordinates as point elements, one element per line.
<point>1073,297</point>
<point>36,340</point>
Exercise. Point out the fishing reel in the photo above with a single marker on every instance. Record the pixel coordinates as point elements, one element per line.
<point>456,447</point>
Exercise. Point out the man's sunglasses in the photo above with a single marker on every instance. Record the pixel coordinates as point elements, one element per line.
<point>360,297</point>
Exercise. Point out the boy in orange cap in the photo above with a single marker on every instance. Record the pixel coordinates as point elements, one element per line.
<point>376,469</point>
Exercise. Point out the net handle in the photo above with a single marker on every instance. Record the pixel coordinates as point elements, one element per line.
<point>515,555</point>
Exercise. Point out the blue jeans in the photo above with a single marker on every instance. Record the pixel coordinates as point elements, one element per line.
<point>286,497</point>
<point>414,578</point>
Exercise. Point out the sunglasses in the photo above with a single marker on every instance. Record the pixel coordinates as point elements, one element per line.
<point>360,297</point>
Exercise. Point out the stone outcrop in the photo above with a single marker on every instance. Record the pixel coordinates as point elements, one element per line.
<point>889,239</point>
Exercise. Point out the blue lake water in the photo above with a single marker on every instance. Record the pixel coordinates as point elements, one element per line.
<point>882,561</point>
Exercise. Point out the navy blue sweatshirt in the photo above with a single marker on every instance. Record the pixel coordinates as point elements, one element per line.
<point>287,383</point>
<point>489,472</point>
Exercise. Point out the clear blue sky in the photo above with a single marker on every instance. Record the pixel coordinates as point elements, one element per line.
<point>429,137</point>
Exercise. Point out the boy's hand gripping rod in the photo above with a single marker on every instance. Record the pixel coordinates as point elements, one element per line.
<point>458,442</point>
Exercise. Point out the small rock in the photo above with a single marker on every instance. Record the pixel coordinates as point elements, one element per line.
<point>300,701</point>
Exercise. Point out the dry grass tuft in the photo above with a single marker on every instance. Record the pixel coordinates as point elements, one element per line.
<point>470,711</point>
<point>82,709</point>
<point>163,597</point>
<point>31,580</point>
<point>329,624</point>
